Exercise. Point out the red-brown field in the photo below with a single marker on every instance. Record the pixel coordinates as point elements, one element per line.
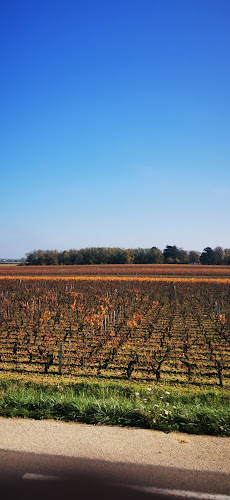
<point>118,270</point>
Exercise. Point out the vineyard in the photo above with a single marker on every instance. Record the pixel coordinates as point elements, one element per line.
<point>141,329</point>
<point>151,270</point>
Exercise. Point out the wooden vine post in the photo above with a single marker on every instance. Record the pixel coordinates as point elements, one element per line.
<point>60,359</point>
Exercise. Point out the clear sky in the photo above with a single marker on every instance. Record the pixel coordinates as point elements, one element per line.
<point>115,124</point>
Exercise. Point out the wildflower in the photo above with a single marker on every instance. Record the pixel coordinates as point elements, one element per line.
<point>167,392</point>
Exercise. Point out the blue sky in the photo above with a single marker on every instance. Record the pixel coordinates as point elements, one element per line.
<point>115,124</point>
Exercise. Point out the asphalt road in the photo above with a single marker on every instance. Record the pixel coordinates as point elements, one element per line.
<point>158,463</point>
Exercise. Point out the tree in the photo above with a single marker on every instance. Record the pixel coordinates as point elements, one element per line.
<point>51,257</point>
<point>227,256</point>
<point>35,258</point>
<point>63,258</point>
<point>193,257</point>
<point>183,256</point>
<point>75,257</point>
<point>171,254</point>
<point>130,256</point>
<point>31,258</point>
<point>155,256</point>
<point>207,257</point>
<point>140,256</point>
<point>219,255</point>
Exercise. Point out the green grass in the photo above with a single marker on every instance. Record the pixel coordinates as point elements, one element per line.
<point>9,264</point>
<point>166,408</point>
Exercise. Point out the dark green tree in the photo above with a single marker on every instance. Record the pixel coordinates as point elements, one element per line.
<point>207,257</point>
<point>171,254</point>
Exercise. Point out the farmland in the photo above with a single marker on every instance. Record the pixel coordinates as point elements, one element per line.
<point>150,270</point>
<point>150,349</point>
<point>117,327</point>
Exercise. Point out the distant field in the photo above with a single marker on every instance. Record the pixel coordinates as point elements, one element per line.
<point>3,264</point>
<point>154,270</point>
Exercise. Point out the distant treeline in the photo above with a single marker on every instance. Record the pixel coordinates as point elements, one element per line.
<point>104,255</point>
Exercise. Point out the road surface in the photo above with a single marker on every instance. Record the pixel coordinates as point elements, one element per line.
<point>151,462</point>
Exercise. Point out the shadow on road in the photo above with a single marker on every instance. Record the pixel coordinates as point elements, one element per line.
<point>94,479</point>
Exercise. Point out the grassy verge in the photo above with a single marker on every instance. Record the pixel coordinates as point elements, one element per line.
<point>166,408</point>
